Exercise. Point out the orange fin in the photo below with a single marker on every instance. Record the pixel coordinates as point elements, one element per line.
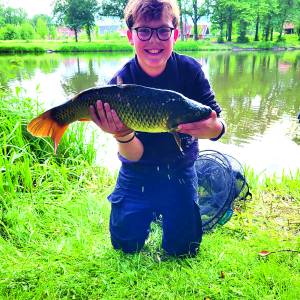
<point>44,126</point>
<point>84,119</point>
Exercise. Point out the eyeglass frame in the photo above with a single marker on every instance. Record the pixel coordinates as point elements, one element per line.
<point>152,30</point>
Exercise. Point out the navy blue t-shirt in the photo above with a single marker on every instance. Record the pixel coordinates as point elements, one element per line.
<point>182,74</point>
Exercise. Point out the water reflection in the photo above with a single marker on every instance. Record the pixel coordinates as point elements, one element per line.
<point>258,91</point>
<point>83,77</point>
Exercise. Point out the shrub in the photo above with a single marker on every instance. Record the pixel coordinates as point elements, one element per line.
<point>10,32</point>
<point>26,31</point>
<point>220,40</point>
<point>243,39</point>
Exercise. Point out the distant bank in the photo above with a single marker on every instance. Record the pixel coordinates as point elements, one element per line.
<point>19,47</point>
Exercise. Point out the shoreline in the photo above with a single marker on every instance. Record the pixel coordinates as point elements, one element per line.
<point>110,46</point>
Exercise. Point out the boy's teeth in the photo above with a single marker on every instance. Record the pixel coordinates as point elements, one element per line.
<point>153,51</point>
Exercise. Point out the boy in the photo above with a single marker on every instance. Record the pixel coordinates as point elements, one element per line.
<point>155,178</point>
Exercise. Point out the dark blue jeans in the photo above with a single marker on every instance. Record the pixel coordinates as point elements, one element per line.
<point>140,193</point>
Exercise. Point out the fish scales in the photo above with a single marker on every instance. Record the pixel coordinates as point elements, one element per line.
<point>134,106</point>
<point>139,108</point>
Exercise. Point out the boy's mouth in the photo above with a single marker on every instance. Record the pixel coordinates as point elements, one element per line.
<point>154,51</point>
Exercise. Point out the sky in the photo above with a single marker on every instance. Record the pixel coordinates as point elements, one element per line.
<point>32,7</point>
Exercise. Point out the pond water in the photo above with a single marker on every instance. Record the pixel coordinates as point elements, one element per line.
<point>258,91</point>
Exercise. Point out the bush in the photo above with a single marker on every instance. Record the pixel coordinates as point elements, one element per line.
<point>26,31</point>
<point>243,39</point>
<point>10,32</point>
<point>281,39</point>
<point>220,40</point>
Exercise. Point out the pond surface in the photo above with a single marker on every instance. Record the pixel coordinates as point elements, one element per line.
<point>258,91</point>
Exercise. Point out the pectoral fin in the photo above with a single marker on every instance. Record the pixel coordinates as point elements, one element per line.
<point>119,80</point>
<point>177,140</point>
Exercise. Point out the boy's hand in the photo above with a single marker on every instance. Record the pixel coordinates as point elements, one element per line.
<point>204,129</point>
<point>108,120</point>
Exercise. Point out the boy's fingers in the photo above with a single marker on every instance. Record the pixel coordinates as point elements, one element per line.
<point>110,120</point>
<point>191,132</point>
<point>94,115</point>
<point>102,114</point>
<point>189,126</point>
<point>117,121</point>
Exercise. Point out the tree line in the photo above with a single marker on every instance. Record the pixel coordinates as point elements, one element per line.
<point>14,24</point>
<point>258,19</point>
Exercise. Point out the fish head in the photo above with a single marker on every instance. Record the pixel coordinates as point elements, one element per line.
<point>187,112</point>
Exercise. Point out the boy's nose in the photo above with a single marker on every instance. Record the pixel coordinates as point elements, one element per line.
<point>154,37</point>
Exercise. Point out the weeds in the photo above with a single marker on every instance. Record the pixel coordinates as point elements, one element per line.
<point>54,236</point>
<point>113,42</point>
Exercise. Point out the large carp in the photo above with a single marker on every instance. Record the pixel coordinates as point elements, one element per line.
<point>139,108</point>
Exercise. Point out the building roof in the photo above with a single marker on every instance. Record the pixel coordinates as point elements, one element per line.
<point>288,26</point>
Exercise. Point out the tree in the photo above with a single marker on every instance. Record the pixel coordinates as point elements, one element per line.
<point>270,19</point>
<point>91,9</point>
<point>2,19</point>
<point>111,8</point>
<point>14,16</point>
<point>47,19</point>
<point>245,15</point>
<point>195,11</point>
<point>181,21</point>
<point>76,14</point>
<point>52,32</point>
<point>287,9</point>
<point>41,28</point>
<point>26,31</point>
<point>217,16</point>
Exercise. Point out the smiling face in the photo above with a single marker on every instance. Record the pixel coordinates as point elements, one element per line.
<point>153,55</point>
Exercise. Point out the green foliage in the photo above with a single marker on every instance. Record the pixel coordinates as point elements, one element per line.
<point>26,31</point>
<point>104,46</point>
<point>14,16</point>
<point>55,244</point>
<point>113,8</point>
<point>76,14</point>
<point>112,43</point>
<point>20,151</point>
<point>110,36</point>
<point>265,16</point>
<point>47,19</point>
<point>21,48</point>
<point>54,230</point>
<point>41,28</point>
<point>220,40</point>
<point>9,32</point>
<point>243,39</point>
<point>52,32</point>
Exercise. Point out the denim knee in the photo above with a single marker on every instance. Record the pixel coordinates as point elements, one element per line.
<point>127,246</point>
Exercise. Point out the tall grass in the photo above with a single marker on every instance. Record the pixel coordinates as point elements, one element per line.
<point>54,236</point>
<point>112,42</point>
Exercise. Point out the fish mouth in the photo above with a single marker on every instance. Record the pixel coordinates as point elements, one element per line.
<point>154,51</point>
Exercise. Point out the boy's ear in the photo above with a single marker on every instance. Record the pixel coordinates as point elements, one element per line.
<point>176,34</point>
<point>129,36</point>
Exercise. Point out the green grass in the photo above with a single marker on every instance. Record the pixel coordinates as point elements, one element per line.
<point>55,243</point>
<point>115,43</point>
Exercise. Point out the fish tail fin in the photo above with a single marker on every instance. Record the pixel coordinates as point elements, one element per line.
<point>44,126</point>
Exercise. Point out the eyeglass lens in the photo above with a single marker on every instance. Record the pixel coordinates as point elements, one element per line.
<point>145,33</point>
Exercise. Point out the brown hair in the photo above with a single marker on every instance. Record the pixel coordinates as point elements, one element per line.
<point>150,10</point>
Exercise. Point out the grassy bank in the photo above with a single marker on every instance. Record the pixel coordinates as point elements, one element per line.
<point>54,238</point>
<point>121,45</point>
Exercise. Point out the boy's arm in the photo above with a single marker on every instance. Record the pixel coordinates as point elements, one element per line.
<point>130,146</point>
<point>211,128</point>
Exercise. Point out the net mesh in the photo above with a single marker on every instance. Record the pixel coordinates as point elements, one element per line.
<point>221,183</point>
